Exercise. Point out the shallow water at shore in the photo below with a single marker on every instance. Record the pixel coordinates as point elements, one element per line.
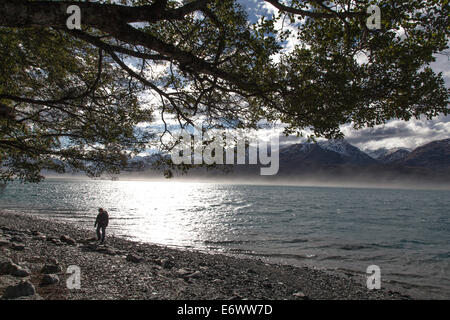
<point>405,232</point>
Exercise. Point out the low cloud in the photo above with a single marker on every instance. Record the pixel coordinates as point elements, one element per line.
<point>397,133</point>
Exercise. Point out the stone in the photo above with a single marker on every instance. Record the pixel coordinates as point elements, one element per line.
<point>107,250</point>
<point>23,289</point>
<point>68,240</point>
<point>3,242</point>
<point>183,272</point>
<point>134,258</point>
<point>87,240</point>
<point>16,239</point>
<point>9,267</point>
<point>49,279</point>
<point>196,275</point>
<point>167,264</point>
<point>17,247</point>
<point>21,272</point>
<point>300,295</point>
<point>56,242</point>
<point>89,247</point>
<point>51,268</point>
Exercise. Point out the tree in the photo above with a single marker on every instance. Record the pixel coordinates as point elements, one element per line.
<point>75,97</point>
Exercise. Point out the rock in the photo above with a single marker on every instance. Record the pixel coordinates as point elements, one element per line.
<point>68,240</point>
<point>89,247</point>
<point>267,283</point>
<point>23,289</point>
<point>49,279</point>
<point>40,238</point>
<point>183,272</point>
<point>16,239</point>
<point>300,295</point>
<point>56,242</point>
<point>167,264</point>
<point>3,242</point>
<point>9,267</point>
<point>251,271</point>
<point>17,247</point>
<point>21,272</point>
<point>107,250</point>
<point>51,268</point>
<point>134,258</point>
<point>87,240</point>
<point>196,275</point>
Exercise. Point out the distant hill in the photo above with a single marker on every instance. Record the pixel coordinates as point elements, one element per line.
<point>377,153</point>
<point>394,155</point>
<point>433,155</point>
<point>388,155</point>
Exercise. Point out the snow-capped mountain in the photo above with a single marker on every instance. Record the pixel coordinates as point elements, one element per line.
<point>376,153</point>
<point>382,153</point>
<point>308,154</point>
<point>347,151</point>
<point>322,155</point>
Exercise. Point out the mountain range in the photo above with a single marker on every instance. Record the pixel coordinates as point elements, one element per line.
<point>335,160</point>
<point>433,155</point>
<point>330,161</point>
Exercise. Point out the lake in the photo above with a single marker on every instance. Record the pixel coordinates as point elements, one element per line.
<point>404,232</point>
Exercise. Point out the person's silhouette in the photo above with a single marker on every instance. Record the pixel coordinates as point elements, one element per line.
<point>101,223</point>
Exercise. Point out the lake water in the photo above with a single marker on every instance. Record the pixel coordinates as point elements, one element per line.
<point>405,232</point>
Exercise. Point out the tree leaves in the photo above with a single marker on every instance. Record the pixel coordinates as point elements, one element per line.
<point>77,96</point>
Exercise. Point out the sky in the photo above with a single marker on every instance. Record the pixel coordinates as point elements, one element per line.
<point>395,133</point>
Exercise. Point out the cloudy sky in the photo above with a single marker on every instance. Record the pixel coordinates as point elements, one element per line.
<point>396,133</point>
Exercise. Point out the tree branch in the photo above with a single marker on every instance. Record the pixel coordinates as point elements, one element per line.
<point>6,112</point>
<point>312,14</point>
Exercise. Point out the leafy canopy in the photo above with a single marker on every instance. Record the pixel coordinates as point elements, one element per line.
<point>76,98</point>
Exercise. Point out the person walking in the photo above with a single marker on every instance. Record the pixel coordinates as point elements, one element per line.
<point>101,223</point>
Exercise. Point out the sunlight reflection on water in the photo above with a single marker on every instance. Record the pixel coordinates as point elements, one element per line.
<point>407,232</point>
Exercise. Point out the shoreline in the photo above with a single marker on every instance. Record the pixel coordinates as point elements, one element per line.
<point>123,269</point>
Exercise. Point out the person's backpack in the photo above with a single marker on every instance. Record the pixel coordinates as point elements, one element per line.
<point>104,218</point>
